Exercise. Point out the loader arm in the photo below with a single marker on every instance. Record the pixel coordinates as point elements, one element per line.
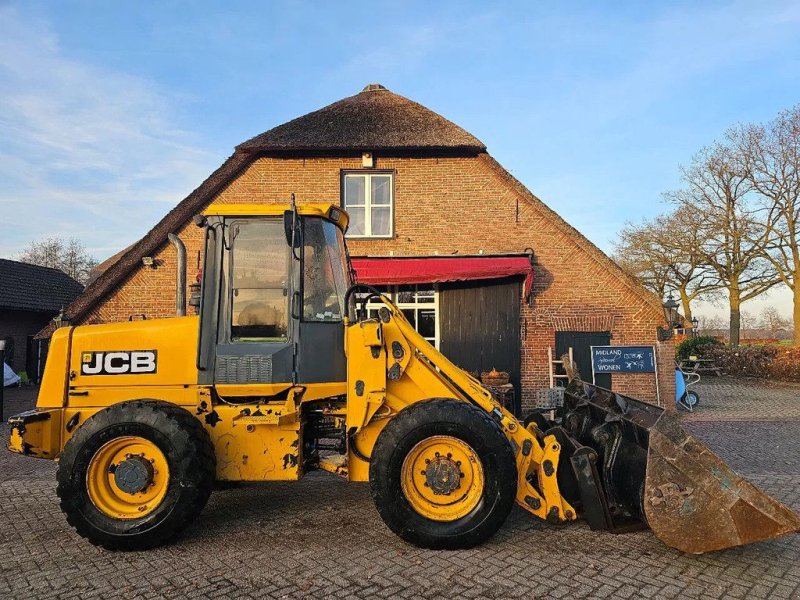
<point>620,463</point>
<point>391,365</point>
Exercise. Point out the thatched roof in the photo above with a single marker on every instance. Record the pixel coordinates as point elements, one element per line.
<point>375,119</point>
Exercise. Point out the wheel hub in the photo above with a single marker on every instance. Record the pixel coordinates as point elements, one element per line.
<point>443,476</point>
<point>133,475</point>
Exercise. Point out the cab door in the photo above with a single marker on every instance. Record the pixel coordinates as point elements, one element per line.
<point>254,331</point>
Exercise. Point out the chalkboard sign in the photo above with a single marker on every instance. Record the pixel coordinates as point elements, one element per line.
<point>623,359</point>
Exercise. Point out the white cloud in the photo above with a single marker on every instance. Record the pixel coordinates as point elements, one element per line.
<point>84,151</point>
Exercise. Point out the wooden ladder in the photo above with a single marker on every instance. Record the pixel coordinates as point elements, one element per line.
<point>553,363</point>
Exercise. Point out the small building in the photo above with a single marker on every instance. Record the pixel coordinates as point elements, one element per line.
<point>484,269</point>
<point>30,296</point>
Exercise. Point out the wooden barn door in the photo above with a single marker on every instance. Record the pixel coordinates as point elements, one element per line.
<point>480,327</point>
<point>581,342</point>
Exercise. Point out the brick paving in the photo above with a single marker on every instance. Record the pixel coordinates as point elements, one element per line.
<point>746,399</point>
<point>322,537</point>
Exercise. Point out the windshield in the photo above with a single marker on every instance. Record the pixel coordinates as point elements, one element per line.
<point>325,271</point>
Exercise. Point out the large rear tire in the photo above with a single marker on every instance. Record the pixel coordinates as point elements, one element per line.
<point>443,475</point>
<point>136,474</point>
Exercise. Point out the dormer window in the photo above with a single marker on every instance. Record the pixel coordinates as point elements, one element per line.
<point>368,197</point>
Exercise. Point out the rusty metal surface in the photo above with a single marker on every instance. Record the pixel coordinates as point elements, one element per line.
<point>694,502</point>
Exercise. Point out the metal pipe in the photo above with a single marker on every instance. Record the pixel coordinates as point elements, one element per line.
<point>3,381</point>
<point>180,275</point>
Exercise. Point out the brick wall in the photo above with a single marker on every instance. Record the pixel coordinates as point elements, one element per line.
<point>446,206</point>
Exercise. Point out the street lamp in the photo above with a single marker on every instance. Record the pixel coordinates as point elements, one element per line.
<point>670,306</point>
<point>3,380</point>
<point>695,326</point>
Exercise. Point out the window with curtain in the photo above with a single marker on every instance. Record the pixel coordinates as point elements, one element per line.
<point>368,199</point>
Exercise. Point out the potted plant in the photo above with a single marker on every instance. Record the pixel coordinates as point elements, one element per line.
<point>494,377</point>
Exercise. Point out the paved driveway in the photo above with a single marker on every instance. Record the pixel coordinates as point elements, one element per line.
<point>322,537</point>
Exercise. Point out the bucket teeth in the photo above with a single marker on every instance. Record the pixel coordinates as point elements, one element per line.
<point>694,502</point>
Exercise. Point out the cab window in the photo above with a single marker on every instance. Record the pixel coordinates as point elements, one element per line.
<point>324,271</point>
<point>260,275</point>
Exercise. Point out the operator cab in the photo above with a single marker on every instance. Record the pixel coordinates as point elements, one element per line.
<point>271,278</point>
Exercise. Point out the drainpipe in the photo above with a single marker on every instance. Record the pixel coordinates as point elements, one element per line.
<point>180,275</point>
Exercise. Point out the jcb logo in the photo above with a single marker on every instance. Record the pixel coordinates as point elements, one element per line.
<point>123,362</point>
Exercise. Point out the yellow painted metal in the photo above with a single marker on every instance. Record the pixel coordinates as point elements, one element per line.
<point>251,450</point>
<point>174,340</point>
<point>330,211</point>
<point>53,389</point>
<point>102,487</point>
<point>442,478</point>
<point>36,433</point>
<point>422,373</point>
<point>313,391</point>
<point>336,464</point>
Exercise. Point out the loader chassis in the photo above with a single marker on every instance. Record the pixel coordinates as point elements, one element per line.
<point>283,373</point>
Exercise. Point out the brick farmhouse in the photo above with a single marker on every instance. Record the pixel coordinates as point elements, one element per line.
<point>437,223</point>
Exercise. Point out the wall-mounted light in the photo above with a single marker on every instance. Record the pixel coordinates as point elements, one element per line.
<point>61,320</point>
<point>670,307</point>
<point>367,160</point>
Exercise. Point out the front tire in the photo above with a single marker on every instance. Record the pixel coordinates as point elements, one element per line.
<point>443,475</point>
<point>136,474</point>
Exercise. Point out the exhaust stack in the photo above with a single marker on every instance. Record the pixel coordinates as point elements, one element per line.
<point>180,275</point>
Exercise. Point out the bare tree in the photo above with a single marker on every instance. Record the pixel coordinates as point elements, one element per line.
<point>68,256</point>
<point>771,320</point>
<point>772,158</point>
<point>718,189</point>
<point>747,324</point>
<point>711,325</point>
<point>663,254</point>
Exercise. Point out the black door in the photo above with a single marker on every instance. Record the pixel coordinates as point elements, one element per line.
<point>479,327</point>
<point>581,342</point>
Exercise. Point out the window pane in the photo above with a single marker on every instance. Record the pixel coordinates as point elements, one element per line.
<point>260,273</point>
<point>381,189</point>
<point>354,187</point>
<point>381,217</point>
<point>356,226</point>
<point>425,296</point>
<point>410,316</point>
<point>405,294</point>
<point>426,323</point>
<point>259,315</point>
<point>324,282</point>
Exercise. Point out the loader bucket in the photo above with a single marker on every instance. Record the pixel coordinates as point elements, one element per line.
<point>633,464</point>
<point>694,502</point>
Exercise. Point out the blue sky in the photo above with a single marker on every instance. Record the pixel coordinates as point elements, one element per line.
<point>110,113</point>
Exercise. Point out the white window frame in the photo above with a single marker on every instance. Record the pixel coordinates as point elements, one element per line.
<point>367,206</point>
<point>393,293</point>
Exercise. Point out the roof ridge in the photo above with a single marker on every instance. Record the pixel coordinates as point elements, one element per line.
<point>367,121</point>
<point>34,265</point>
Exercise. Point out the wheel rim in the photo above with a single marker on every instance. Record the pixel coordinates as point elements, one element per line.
<point>442,478</point>
<point>127,477</point>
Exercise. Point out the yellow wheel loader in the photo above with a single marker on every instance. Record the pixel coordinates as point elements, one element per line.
<point>291,368</point>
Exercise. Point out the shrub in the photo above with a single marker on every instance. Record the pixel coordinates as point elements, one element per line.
<point>786,364</point>
<point>692,346</point>
<point>748,361</point>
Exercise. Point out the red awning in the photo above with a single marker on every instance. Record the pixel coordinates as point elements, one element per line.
<point>398,271</point>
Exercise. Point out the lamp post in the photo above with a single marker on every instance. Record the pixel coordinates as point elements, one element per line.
<point>3,384</point>
<point>695,326</point>
<point>670,306</point>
